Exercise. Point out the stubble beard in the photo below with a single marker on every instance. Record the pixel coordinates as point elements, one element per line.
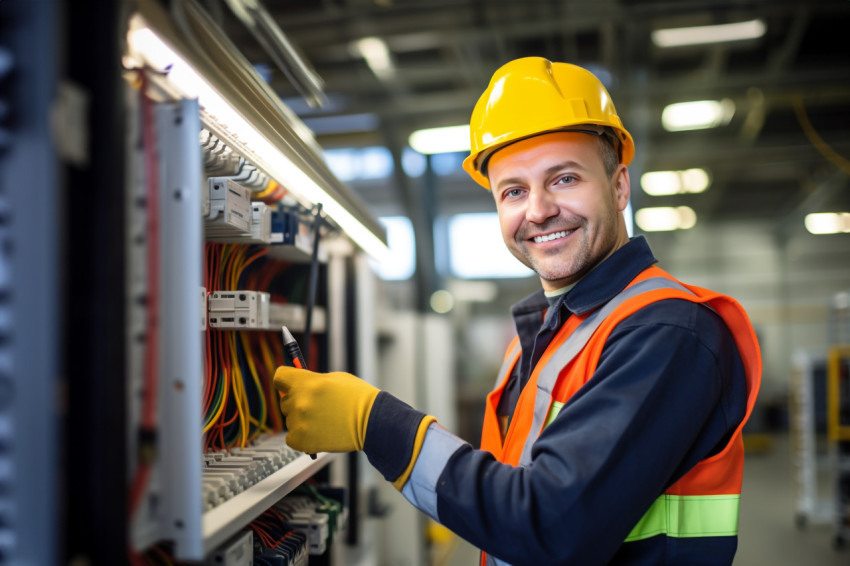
<point>572,262</point>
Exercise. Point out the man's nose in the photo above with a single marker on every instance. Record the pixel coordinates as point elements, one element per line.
<point>541,206</point>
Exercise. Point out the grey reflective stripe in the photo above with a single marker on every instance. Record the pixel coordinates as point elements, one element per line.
<point>573,345</point>
<point>421,486</point>
<point>507,365</point>
<point>493,561</point>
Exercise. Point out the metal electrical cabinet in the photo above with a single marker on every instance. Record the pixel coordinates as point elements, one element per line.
<point>217,182</point>
<point>105,159</point>
<point>30,280</point>
<point>199,268</point>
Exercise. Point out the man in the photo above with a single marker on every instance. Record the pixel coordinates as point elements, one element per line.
<point>614,433</point>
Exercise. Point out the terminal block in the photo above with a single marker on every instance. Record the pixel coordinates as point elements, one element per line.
<point>232,217</point>
<point>229,211</point>
<point>261,223</point>
<point>285,225</point>
<point>238,310</point>
<point>239,551</point>
<point>228,473</point>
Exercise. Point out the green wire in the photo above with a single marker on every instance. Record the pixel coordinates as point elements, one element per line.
<point>219,393</point>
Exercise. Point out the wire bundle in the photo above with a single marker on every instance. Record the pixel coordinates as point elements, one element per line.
<point>238,391</point>
<point>239,400</point>
<point>275,542</point>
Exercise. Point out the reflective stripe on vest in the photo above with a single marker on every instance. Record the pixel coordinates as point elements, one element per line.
<point>571,348</point>
<point>684,516</point>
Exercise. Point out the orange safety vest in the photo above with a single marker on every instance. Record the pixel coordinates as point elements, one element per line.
<point>703,502</point>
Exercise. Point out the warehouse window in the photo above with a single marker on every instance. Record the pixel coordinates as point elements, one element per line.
<point>477,251</point>
<point>412,162</point>
<point>448,163</point>
<point>362,163</point>
<point>401,261</point>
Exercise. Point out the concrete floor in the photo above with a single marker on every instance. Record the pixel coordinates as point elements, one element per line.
<point>768,534</point>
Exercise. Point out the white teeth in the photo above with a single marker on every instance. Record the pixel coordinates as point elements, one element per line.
<point>549,237</point>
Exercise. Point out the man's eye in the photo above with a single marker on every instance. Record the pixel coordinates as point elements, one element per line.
<point>513,192</point>
<point>566,179</point>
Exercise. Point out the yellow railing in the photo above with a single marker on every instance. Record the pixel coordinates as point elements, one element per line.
<point>837,431</point>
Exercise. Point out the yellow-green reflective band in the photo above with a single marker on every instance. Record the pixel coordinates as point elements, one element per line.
<point>685,516</point>
<point>553,412</point>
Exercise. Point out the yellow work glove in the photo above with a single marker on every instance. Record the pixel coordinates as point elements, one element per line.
<point>325,412</point>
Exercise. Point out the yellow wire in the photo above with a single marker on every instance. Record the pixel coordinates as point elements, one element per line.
<point>226,250</point>
<point>221,403</point>
<point>265,351</point>
<point>238,264</point>
<point>238,391</point>
<point>817,141</point>
<point>270,188</point>
<point>267,356</point>
<point>256,378</point>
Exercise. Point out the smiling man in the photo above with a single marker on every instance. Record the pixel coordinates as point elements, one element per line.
<point>613,435</point>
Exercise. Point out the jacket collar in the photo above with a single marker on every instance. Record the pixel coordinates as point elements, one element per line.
<point>600,285</point>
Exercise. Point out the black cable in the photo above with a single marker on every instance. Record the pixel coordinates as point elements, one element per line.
<point>314,283</point>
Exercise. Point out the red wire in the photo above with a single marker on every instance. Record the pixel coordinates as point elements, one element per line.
<point>216,251</point>
<point>228,268</point>
<point>151,360</point>
<point>211,373</point>
<point>225,360</point>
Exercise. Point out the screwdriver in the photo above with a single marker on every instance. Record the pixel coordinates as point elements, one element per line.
<point>290,346</point>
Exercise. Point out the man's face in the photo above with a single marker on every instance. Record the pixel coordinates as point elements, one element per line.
<point>558,209</point>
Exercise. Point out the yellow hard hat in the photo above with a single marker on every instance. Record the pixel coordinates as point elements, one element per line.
<point>531,96</point>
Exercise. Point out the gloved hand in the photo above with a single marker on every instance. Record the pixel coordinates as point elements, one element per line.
<point>325,412</point>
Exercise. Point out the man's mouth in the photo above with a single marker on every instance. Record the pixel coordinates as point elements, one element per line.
<point>550,237</point>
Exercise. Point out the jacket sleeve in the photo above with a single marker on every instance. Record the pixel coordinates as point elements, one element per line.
<point>668,391</point>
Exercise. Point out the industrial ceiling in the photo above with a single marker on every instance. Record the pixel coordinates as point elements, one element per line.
<point>784,152</point>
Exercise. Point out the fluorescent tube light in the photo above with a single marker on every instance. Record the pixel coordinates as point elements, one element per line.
<point>448,139</point>
<point>828,222</point>
<point>143,41</point>
<point>661,183</point>
<point>377,55</point>
<point>701,35</point>
<point>697,115</point>
<point>665,218</point>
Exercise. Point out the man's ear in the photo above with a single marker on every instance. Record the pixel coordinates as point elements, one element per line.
<point>622,187</point>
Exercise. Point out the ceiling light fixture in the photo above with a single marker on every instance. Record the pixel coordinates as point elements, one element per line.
<point>828,222</point>
<point>377,55</point>
<point>662,183</point>
<point>665,218</point>
<point>697,115</point>
<point>259,150</point>
<point>701,35</point>
<point>447,139</point>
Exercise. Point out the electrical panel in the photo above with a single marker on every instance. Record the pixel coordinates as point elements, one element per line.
<point>219,258</point>
<point>208,456</point>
